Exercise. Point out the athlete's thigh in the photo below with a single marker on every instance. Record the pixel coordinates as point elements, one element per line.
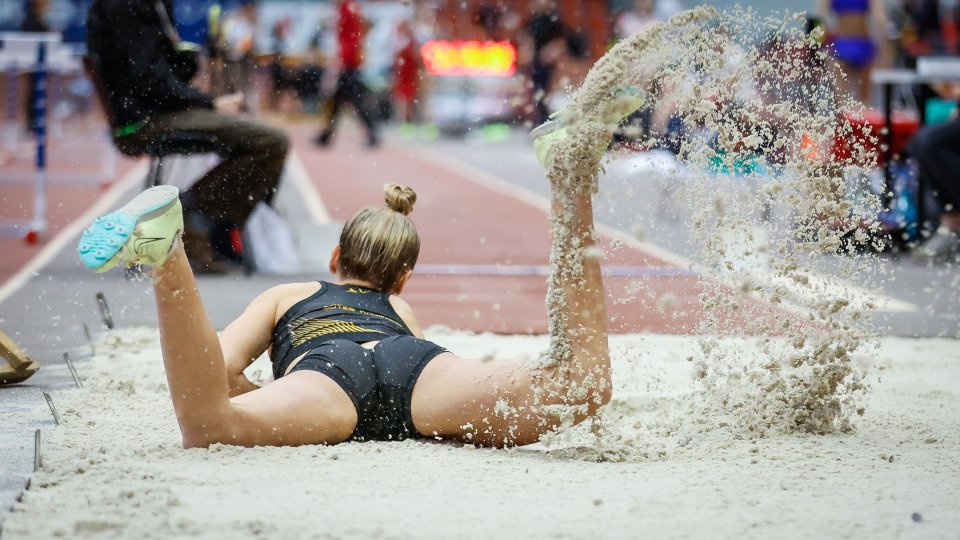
<point>304,407</point>
<point>488,402</point>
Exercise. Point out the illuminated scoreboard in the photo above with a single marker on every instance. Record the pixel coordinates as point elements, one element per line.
<point>469,58</point>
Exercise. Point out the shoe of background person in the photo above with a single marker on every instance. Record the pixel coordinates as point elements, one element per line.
<point>546,136</point>
<point>323,139</point>
<point>199,248</point>
<point>144,232</point>
<point>943,246</point>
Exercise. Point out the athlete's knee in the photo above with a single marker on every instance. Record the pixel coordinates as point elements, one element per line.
<point>191,438</point>
<point>201,431</point>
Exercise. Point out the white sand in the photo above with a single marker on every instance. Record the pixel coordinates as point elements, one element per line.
<point>115,467</point>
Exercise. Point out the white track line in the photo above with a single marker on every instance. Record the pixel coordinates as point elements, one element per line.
<point>542,270</point>
<point>494,183</point>
<point>297,174</point>
<point>823,283</point>
<point>72,230</point>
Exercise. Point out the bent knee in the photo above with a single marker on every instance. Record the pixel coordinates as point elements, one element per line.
<point>201,432</point>
<point>202,437</point>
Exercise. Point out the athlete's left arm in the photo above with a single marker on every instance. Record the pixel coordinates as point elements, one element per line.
<point>405,312</point>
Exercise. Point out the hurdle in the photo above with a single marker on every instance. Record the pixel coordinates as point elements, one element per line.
<point>32,53</point>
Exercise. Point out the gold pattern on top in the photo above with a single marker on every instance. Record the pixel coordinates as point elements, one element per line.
<point>358,310</point>
<point>303,332</point>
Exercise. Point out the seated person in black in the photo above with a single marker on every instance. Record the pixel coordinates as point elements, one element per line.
<point>937,151</point>
<point>149,101</point>
<point>349,357</point>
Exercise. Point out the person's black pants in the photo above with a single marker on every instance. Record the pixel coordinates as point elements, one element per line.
<point>937,151</point>
<point>253,156</point>
<point>350,89</point>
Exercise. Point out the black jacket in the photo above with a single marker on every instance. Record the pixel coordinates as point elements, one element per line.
<point>136,57</point>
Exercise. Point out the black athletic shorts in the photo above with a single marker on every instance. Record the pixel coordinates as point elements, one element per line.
<point>379,381</point>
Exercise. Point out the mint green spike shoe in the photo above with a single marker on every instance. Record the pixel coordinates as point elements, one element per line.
<point>546,136</point>
<point>144,231</point>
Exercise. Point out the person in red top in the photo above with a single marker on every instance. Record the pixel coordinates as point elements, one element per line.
<point>350,89</point>
<point>406,72</point>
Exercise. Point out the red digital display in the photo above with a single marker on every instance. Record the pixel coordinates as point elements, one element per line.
<point>469,58</point>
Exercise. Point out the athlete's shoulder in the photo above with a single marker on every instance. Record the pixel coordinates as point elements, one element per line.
<point>293,292</point>
<point>405,312</point>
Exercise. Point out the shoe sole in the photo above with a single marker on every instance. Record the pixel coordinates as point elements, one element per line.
<point>104,239</point>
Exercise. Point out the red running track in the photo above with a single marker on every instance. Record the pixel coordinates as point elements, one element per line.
<point>75,181</point>
<point>467,228</point>
<point>465,223</point>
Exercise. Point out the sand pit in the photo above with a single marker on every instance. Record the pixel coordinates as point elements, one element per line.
<point>115,467</point>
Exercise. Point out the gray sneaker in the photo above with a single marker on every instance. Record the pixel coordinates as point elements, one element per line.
<point>943,246</point>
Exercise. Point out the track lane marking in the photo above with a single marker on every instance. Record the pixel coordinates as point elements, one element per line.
<point>72,230</point>
<point>857,294</point>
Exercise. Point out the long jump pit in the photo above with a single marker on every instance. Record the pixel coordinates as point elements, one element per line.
<point>784,417</point>
<point>658,463</point>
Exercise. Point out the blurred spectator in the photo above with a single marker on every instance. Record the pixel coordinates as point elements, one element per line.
<point>301,74</point>
<point>150,102</point>
<point>923,34</point>
<point>632,21</point>
<point>571,61</point>
<point>545,34</point>
<point>35,10</point>
<point>852,25</point>
<point>214,49</point>
<point>937,152</point>
<point>239,30</point>
<point>488,17</point>
<point>668,8</point>
<point>351,29</point>
<point>406,73</point>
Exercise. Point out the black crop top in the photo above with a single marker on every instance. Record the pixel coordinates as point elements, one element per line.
<point>349,312</point>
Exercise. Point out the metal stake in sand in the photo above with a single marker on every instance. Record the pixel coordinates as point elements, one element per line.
<point>56,415</point>
<point>73,369</point>
<point>37,462</point>
<point>86,330</point>
<point>104,311</point>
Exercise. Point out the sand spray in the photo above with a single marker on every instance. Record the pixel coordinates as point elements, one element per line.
<point>759,106</point>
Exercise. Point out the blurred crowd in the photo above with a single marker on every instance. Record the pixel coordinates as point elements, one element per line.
<point>452,65</point>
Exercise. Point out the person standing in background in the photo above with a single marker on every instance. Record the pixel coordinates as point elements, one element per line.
<point>632,21</point>
<point>923,34</point>
<point>406,73</point>
<point>852,25</point>
<point>668,8</point>
<point>350,88</point>
<point>545,35</point>
<point>239,32</point>
<point>936,149</point>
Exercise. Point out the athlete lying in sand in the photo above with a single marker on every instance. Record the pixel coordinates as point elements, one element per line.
<point>349,359</point>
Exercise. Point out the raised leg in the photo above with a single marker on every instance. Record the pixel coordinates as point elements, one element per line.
<point>302,408</point>
<point>510,402</point>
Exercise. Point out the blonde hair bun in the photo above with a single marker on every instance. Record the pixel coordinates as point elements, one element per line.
<point>399,198</point>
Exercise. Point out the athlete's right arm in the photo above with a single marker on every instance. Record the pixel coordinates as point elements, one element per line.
<point>245,339</point>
